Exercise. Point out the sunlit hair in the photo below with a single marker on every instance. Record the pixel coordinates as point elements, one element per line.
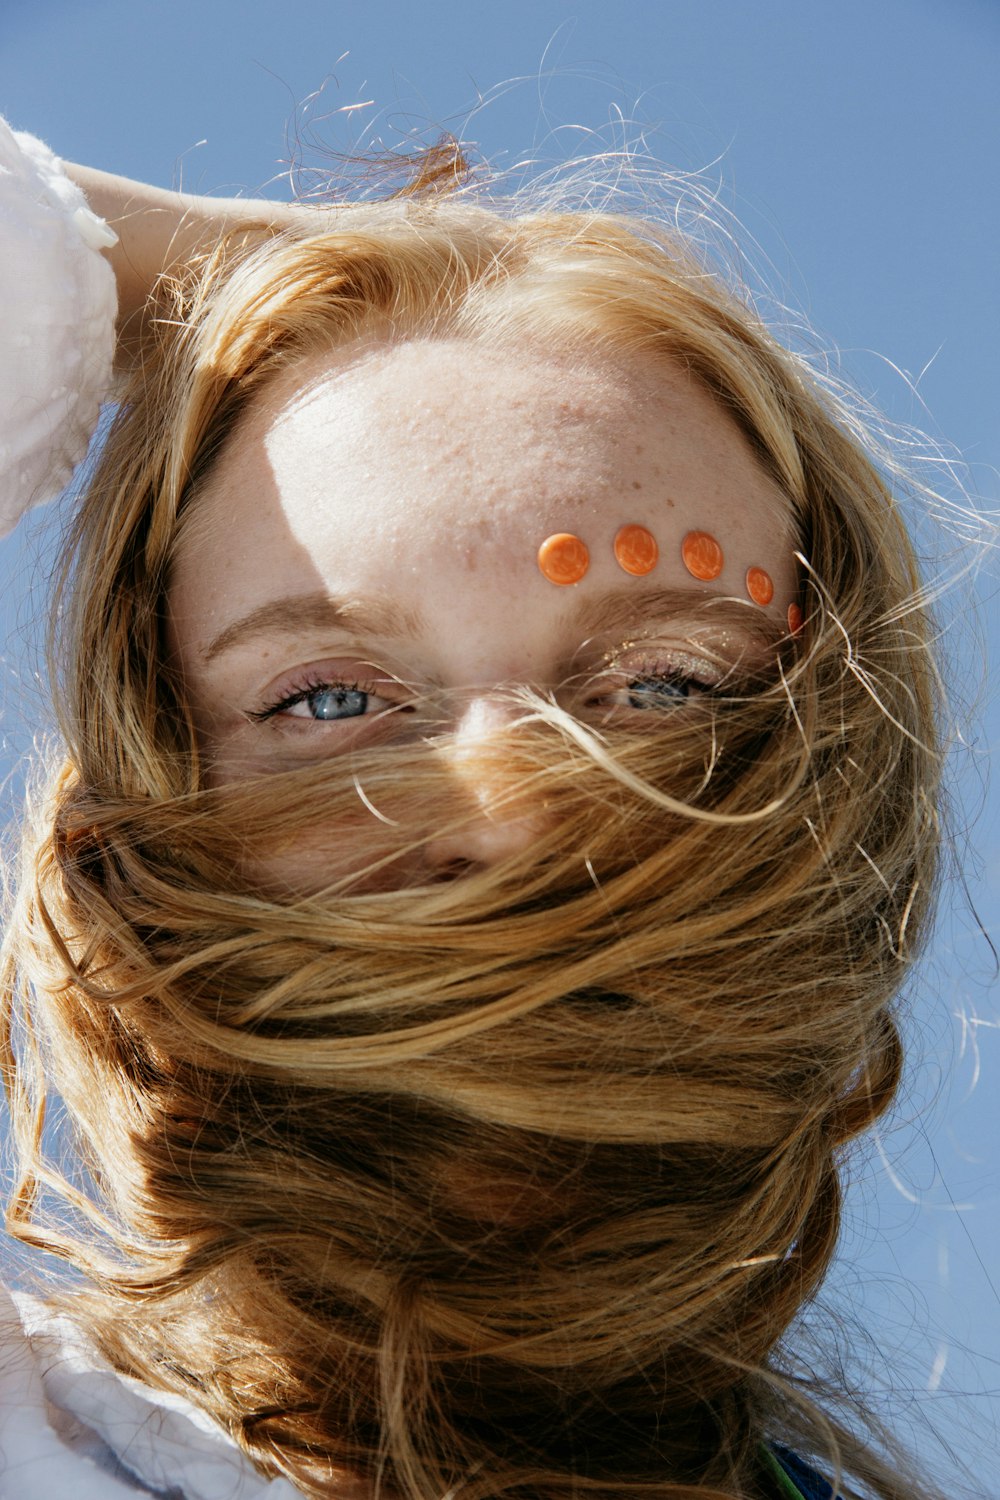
<point>514,1183</point>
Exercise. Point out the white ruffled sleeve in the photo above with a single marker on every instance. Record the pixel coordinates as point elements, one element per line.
<point>72,1428</point>
<point>35,1462</point>
<point>57,314</point>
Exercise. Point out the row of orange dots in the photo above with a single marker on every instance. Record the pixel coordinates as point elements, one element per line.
<point>564,559</point>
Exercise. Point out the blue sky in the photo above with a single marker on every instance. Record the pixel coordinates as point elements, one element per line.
<point>858,143</point>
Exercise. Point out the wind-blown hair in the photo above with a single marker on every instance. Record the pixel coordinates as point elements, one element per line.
<point>514,1183</point>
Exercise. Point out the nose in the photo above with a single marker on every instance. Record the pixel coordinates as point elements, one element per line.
<point>495,821</point>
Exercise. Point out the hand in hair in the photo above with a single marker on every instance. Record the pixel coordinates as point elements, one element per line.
<point>159,231</point>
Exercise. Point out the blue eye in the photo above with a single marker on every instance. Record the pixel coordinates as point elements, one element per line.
<point>324,703</point>
<point>659,692</point>
<point>331,703</point>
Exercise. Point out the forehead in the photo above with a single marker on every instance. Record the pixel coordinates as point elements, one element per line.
<point>512,429</point>
<point>428,473</point>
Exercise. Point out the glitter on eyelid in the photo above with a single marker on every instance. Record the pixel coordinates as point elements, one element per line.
<point>702,556</point>
<point>759,586</point>
<point>657,659</point>
<point>563,558</point>
<point>636,550</point>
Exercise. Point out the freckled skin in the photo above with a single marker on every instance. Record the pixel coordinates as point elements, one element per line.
<point>428,474</point>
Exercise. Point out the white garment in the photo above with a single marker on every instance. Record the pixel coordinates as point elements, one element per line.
<point>71,1427</point>
<point>57,341</point>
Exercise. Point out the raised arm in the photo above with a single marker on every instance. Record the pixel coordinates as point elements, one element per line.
<point>158,230</point>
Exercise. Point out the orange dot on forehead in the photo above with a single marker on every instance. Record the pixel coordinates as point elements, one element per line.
<point>794,619</point>
<point>759,586</point>
<point>563,558</point>
<point>636,550</point>
<point>702,555</point>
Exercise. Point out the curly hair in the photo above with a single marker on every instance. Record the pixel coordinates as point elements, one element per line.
<point>514,1184</point>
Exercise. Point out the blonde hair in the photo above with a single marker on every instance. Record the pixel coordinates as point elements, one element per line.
<point>515,1183</point>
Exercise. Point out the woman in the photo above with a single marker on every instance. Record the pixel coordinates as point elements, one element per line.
<point>496,816</point>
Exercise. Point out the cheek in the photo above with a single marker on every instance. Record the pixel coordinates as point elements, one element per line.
<point>360,852</point>
<point>362,835</point>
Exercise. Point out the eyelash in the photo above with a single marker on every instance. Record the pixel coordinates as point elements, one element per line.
<point>679,670</point>
<point>310,687</point>
<point>694,685</point>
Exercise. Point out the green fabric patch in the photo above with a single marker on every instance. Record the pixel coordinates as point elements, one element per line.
<point>787,1488</point>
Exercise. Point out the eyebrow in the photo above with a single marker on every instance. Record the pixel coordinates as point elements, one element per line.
<point>618,609</point>
<point>317,611</point>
